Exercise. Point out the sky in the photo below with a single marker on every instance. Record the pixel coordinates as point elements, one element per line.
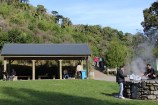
<point>123,15</point>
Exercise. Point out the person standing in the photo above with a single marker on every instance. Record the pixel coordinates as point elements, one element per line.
<point>101,64</point>
<point>120,79</point>
<point>79,69</point>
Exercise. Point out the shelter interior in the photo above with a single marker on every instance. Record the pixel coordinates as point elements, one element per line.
<point>45,69</point>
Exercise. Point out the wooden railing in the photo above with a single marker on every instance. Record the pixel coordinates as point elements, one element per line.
<point>28,77</point>
<point>111,70</point>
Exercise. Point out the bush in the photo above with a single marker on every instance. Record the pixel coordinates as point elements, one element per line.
<point>4,10</point>
<point>44,25</point>
<point>3,38</point>
<point>14,36</point>
<point>18,19</point>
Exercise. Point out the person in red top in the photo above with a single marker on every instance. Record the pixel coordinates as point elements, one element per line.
<point>95,60</point>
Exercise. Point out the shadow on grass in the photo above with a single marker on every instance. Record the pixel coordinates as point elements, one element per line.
<point>22,96</point>
<point>107,94</point>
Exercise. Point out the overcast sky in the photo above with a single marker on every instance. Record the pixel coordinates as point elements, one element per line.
<point>123,15</point>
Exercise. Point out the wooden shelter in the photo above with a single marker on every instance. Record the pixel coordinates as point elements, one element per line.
<point>35,52</point>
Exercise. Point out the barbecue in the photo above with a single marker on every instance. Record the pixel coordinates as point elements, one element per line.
<point>134,77</point>
<point>140,87</point>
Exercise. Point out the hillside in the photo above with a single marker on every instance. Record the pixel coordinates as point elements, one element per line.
<point>22,23</point>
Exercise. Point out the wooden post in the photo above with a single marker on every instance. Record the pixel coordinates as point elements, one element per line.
<point>5,67</point>
<point>156,63</point>
<point>82,63</point>
<point>60,69</point>
<point>87,67</point>
<point>9,68</point>
<point>33,69</point>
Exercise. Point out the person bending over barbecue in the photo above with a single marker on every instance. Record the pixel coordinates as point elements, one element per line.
<point>120,78</point>
<point>149,72</point>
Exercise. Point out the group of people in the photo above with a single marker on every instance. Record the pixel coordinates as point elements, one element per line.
<point>99,63</point>
<point>120,78</point>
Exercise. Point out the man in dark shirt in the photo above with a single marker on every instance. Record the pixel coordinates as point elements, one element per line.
<point>120,78</point>
<point>149,72</point>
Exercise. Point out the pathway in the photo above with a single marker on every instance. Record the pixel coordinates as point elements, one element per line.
<point>101,76</point>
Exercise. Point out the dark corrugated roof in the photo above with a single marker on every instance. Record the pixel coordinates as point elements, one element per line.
<point>45,50</point>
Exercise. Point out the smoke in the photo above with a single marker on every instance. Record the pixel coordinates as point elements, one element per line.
<point>145,51</point>
<point>138,66</point>
<point>144,55</point>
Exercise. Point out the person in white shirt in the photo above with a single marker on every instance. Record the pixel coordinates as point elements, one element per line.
<point>78,70</point>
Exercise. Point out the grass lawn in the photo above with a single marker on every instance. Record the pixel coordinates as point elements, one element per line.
<point>63,92</point>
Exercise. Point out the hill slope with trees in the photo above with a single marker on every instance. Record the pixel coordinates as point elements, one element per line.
<point>20,22</point>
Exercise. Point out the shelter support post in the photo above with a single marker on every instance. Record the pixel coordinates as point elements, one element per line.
<point>156,63</point>
<point>5,67</point>
<point>60,68</point>
<point>9,67</point>
<point>82,63</point>
<point>33,69</point>
<point>87,67</point>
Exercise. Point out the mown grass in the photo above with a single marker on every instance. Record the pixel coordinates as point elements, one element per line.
<point>63,92</point>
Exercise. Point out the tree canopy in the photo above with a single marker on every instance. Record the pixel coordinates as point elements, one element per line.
<point>150,23</point>
<point>117,54</point>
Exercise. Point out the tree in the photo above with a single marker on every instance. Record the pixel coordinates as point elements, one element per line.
<point>41,9</point>
<point>117,53</point>
<point>55,13</point>
<point>3,39</point>
<point>59,19</point>
<point>150,23</point>
<point>24,1</point>
<point>17,36</point>
<point>66,22</point>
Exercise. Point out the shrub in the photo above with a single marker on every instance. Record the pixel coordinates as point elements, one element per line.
<point>44,25</point>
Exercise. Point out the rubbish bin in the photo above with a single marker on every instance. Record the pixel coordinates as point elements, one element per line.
<point>83,74</point>
<point>134,91</point>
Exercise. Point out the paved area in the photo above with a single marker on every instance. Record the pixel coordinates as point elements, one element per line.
<point>101,76</point>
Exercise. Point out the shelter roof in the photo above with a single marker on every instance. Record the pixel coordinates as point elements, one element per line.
<point>45,50</point>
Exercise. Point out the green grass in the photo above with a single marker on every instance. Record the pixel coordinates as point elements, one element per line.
<point>63,92</point>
